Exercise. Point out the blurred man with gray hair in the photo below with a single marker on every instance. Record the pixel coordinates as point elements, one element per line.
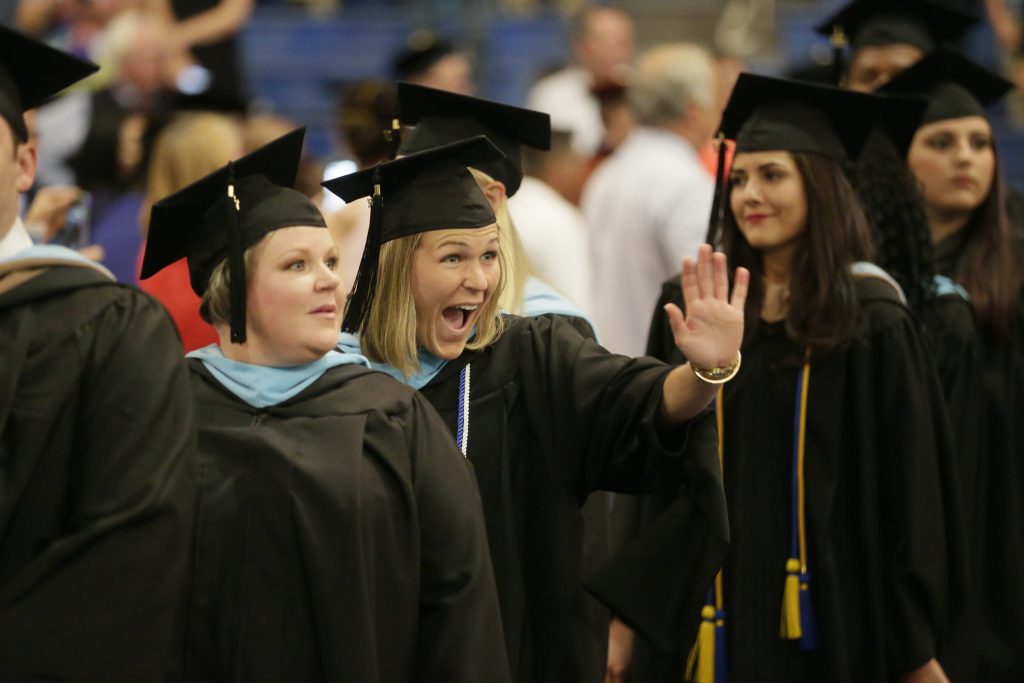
<point>648,204</point>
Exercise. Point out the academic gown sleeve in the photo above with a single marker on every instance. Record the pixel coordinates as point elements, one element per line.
<point>97,601</point>
<point>922,541</point>
<point>460,634</point>
<point>605,412</point>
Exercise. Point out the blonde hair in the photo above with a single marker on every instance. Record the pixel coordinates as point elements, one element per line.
<point>519,264</point>
<point>215,306</point>
<point>389,333</point>
<point>190,147</point>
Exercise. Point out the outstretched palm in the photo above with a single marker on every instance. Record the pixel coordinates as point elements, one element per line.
<point>710,333</point>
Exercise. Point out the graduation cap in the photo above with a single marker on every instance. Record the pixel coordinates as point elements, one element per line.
<point>954,85</point>
<point>921,23</point>
<point>428,190</point>
<point>894,130</point>
<point>224,213</point>
<point>31,72</point>
<point>442,117</point>
<point>767,114</point>
<point>422,50</point>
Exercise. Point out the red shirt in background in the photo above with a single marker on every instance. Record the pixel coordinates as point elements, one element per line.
<point>172,289</point>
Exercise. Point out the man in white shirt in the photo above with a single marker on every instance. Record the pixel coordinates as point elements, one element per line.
<point>552,229</point>
<point>603,47</point>
<point>647,205</point>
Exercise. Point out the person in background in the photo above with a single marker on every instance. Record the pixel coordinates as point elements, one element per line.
<point>953,158</point>
<point>190,147</point>
<point>603,47</point>
<point>433,62</point>
<point>97,435</point>
<point>363,118</point>
<point>339,533</point>
<point>203,37</point>
<point>552,229</point>
<point>886,38</point>
<point>646,204</point>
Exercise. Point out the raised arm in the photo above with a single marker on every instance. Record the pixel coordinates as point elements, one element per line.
<point>708,335</point>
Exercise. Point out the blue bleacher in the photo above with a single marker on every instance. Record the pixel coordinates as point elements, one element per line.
<point>295,62</point>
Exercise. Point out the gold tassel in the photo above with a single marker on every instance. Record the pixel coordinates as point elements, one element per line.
<point>702,657</point>
<point>790,627</point>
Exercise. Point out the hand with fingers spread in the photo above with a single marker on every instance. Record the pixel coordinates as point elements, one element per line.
<point>711,331</point>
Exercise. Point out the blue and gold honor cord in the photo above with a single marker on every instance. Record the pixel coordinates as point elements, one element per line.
<point>707,660</point>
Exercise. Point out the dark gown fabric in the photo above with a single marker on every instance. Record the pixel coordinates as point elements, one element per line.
<point>226,91</point>
<point>339,538</point>
<point>997,522</point>
<point>553,417</point>
<point>98,485</point>
<point>885,532</point>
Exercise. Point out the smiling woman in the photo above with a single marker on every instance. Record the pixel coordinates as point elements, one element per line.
<point>308,460</point>
<point>846,558</point>
<point>545,415</point>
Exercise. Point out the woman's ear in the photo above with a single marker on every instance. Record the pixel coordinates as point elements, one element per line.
<point>495,193</point>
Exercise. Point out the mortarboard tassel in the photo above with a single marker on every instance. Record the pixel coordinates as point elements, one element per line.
<point>715,221</point>
<point>236,263</point>
<point>839,42</point>
<point>393,136</point>
<point>361,296</point>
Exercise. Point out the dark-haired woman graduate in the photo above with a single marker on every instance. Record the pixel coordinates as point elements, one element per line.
<point>339,533</point>
<point>846,549</point>
<point>545,415</point>
<point>954,159</point>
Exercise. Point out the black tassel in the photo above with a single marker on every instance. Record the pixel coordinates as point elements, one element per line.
<point>715,221</point>
<point>838,40</point>
<point>358,308</point>
<point>236,263</point>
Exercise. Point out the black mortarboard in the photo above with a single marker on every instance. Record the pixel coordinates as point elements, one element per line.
<point>442,117</point>
<point>954,85</point>
<point>921,23</point>
<point>900,119</point>
<point>30,73</point>
<point>767,114</point>
<point>422,50</point>
<point>428,190</point>
<point>224,213</point>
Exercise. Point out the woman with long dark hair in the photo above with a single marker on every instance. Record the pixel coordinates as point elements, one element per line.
<point>845,553</point>
<point>954,160</point>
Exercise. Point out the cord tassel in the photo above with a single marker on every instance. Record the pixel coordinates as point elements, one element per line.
<point>808,624</point>
<point>790,624</point>
<point>236,263</point>
<point>361,296</point>
<point>700,665</point>
<point>721,662</point>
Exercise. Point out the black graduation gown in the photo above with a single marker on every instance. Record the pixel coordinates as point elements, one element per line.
<point>96,460</point>
<point>339,538</point>
<point>997,521</point>
<point>885,531</point>
<point>553,416</point>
